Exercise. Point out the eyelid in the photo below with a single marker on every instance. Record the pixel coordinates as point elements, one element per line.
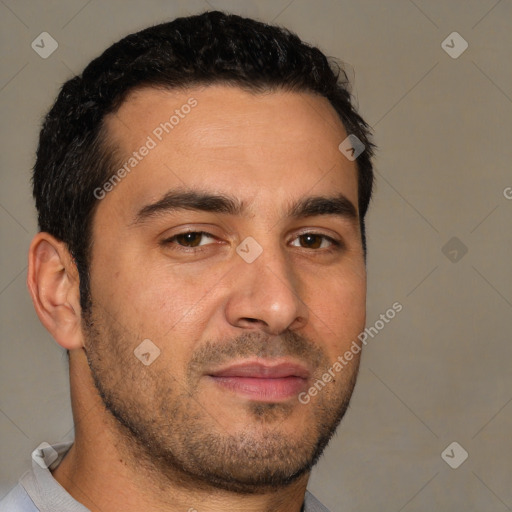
<point>169,239</point>
<point>335,239</point>
<point>193,227</point>
<point>334,244</point>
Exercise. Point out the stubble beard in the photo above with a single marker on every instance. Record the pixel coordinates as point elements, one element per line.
<point>166,431</point>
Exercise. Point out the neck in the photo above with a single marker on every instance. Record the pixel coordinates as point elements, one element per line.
<point>105,469</point>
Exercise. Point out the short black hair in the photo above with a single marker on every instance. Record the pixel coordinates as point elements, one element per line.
<point>74,156</point>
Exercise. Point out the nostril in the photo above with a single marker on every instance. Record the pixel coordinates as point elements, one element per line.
<point>252,322</point>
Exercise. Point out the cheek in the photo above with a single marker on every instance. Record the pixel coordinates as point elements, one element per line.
<point>162,301</point>
<point>170,308</point>
<point>338,308</point>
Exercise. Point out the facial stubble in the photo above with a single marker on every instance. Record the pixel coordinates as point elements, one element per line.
<point>166,428</point>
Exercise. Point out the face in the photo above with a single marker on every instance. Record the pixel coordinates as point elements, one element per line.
<point>231,245</point>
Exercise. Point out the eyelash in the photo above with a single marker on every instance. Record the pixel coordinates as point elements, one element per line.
<point>170,240</point>
<point>335,244</point>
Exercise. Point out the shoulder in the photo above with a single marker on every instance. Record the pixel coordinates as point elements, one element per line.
<point>17,500</point>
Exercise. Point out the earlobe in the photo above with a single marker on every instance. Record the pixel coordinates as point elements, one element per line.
<point>53,283</point>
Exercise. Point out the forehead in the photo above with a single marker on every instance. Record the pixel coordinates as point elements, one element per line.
<point>222,110</point>
<point>272,145</point>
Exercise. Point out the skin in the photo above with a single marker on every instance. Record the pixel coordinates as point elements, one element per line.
<point>302,299</point>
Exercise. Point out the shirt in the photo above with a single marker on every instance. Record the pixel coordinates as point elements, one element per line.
<point>38,491</point>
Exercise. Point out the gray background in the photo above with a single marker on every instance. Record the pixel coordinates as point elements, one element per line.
<point>437,373</point>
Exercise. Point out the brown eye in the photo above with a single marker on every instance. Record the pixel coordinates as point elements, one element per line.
<point>311,241</point>
<point>191,239</point>
<point>315,241</point>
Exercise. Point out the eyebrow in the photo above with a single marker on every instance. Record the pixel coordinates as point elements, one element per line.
<point>200,201</point>
<point>338,205</point>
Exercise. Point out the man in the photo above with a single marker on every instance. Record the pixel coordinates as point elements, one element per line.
<point>202,259</point>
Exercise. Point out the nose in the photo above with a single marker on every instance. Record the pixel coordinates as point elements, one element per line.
<point>265,295</point>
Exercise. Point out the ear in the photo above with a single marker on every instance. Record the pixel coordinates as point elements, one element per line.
<point>53,283</point>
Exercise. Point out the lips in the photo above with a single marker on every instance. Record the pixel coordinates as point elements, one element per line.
<point>265,382</point>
